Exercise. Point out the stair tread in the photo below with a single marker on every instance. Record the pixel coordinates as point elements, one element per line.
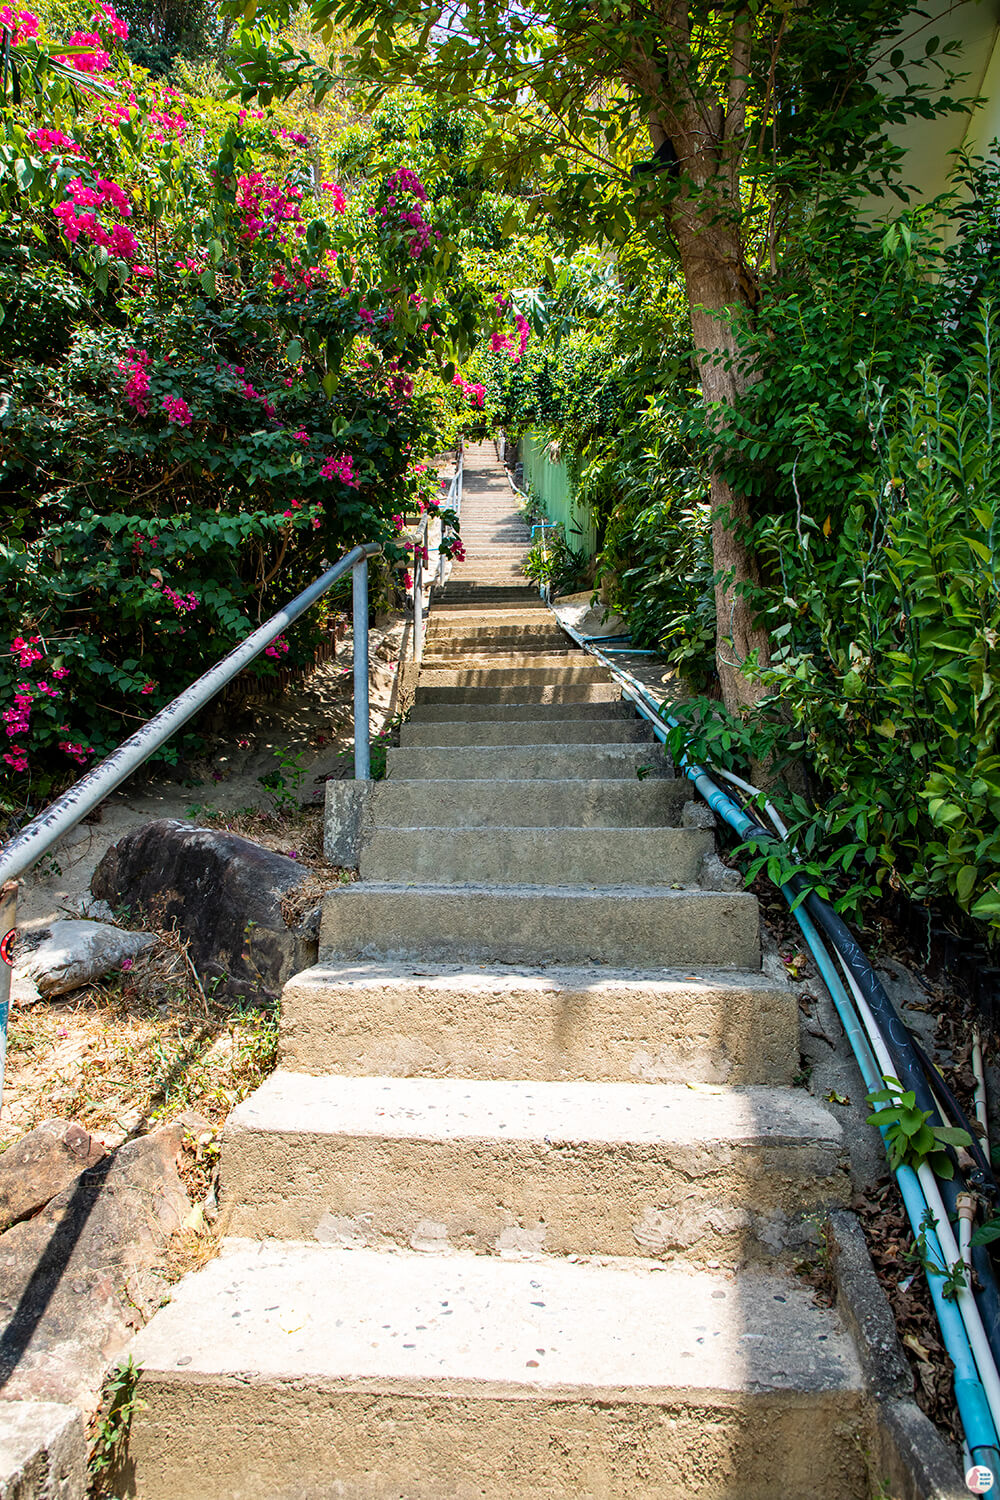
<point>496,978</point>
<point>524,890</point>
<point>549,1113</point>
<point>586,760</point>
<point>407,1321</point>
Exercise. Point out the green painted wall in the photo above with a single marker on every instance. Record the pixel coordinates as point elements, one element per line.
<point>550,482</point>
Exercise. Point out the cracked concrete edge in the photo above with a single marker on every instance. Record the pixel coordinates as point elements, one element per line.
<point>908,1458</point>
<point>43,1451</point>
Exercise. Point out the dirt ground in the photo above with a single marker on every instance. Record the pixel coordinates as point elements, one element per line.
<point>144,1044</point>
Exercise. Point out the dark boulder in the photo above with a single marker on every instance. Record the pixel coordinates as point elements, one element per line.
<point>225,896</point>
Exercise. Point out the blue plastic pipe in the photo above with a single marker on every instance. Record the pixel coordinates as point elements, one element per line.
<point>970,1397</point>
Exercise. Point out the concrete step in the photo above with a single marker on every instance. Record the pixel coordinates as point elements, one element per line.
<point>491,654</point>
<point>498,597</point>
<point>641,927</point>
<point>657,802</point>
<point>524,644</point>
<point>441,635</point>
<point>467,590</point>
<point>288,1371</point>
<point>556,674</point>
<point>588,691</point>
<point>526,732</point>
<point>453,1021</point>
<point>439,712</point>
<point>534,856</point>
<point>492,616</point>
<point>590,762</point>
<point>568,1168</point>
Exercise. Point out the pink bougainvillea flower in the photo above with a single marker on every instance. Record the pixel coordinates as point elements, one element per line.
<point>177,411</point>
<point>51,141</point>
<point>22,24</point>
<point>340,468</point>
<point>93,60</point>
<point>337,195</point>
<point>135,368</point>
<point>106,15</point>
<point>76,752</point>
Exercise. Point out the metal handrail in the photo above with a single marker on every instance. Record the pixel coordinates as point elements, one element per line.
<point>37,837</point>
<point>453,501</point>
<point>545,587</point>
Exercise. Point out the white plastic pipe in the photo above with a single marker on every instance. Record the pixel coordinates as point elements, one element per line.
<point>982,1353</point>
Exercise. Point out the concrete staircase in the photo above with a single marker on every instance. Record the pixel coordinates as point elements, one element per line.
<point>515,1217</point>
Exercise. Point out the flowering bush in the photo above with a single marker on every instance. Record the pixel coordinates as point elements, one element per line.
<point>219,370</point>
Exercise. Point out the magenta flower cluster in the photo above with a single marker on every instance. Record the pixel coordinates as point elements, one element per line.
<point>182,603</point>
<point>135,368</point>
<point>77,217</point>
<point>342,469</point>
<point>22,24</point>
<point>17,719</point>
<point>106,15</point>
<point>266,207</point>
<point>50,141</point>
<point>177,411</point>
<point>76,752</point>
<point>277,648</point>
<point>397,214</point>
<point>475,394</point>
<point>93,59</point>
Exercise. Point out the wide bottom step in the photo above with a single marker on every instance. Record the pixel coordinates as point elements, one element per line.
<point>304,1372</point>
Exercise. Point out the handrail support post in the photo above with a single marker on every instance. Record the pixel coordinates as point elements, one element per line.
<point>362,727</point>
<point>418,603</point>
<point>8,924</point>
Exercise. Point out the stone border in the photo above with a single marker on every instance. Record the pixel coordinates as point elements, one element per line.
<point>907,1455</point>
<point>43,1451</point>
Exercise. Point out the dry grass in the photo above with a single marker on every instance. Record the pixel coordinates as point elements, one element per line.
<point>127,1054</point>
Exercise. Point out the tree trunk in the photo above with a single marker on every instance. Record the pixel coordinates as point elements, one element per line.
<point>704,220</point>
<point>713,282</point>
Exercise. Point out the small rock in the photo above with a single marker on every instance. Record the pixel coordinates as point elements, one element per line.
<point>42,1163</point>
<point>514,1243</point>
<point>96,911</point>
<point>716,876</point>
<point>23,989</point>
<point>70,954</point>
<point>697,815</point>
